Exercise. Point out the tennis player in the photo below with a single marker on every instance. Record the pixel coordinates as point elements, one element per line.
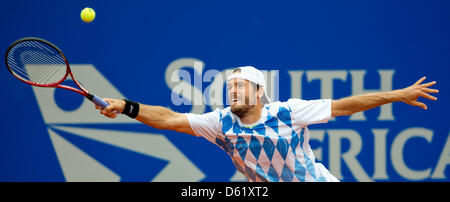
<point>267,141</point>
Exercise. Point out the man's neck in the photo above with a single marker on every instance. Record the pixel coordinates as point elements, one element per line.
<point>253,116</point>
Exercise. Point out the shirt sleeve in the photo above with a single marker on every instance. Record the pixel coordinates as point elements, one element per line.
<point>307,112</point>
<point>205,125</point>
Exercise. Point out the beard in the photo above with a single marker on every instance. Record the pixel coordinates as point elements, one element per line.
<point>241,110</point>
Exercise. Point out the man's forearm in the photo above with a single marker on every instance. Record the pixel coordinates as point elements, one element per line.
<point>154,116</point>
<point>350,105</point>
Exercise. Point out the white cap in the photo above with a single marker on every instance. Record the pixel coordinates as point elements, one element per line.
<point>253,75</point>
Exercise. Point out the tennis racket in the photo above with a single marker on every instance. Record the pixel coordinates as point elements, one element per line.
<point>40,63</point>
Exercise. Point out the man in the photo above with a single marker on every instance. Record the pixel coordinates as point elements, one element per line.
<point>266,141</point>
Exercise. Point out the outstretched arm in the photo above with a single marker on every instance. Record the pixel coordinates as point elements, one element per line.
<point>350,105</point>
<point>155,116</point>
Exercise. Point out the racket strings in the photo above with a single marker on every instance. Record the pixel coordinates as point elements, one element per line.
<point>36,62</point>
<point>43,72</point>
<point>52,60</point>
<point>37,71</point>
<point>48,71</point>
<point>26,72</point>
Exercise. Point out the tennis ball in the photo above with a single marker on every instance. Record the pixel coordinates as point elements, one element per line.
<point>87,15</point>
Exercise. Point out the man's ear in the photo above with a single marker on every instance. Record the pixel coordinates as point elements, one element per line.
<point>260,93</point>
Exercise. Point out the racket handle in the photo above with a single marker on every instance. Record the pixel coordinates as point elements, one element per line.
<point>98,101</point>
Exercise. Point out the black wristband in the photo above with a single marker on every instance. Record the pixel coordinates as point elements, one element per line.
<point>131,108</point>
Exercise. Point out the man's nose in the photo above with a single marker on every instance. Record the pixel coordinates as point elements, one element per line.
<point>233,90</point>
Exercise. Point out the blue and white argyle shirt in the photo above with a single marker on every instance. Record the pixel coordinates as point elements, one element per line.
<point>275,148</point>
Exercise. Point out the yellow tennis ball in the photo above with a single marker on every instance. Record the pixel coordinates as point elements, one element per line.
<point>87,15</point>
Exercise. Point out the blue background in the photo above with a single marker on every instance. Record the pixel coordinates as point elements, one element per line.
<point>132,42</point>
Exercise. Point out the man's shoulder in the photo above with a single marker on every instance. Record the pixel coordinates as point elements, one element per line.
<point>275,107</point>
<point>285,103</point>
<point>289,104</point>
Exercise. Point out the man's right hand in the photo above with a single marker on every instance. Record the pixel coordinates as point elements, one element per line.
<point>115,107</point>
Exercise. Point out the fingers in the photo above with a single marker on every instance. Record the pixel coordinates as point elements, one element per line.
<point>420,80</point>
<point>419,104</point>
<point>425,90</point>
<point>428,96</point>
<point>113,114</point>
<point>428,84</point>
<point>421,90</point>
<point>110,111</point>
<point>429,90</point>
<point>108,100</point>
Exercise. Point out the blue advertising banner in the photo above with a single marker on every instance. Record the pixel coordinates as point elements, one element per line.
<point>170,53</point>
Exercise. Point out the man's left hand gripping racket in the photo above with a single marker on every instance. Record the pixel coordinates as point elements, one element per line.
<point>40,63</point>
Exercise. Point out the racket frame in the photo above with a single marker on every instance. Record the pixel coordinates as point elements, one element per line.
<point>58,84</point>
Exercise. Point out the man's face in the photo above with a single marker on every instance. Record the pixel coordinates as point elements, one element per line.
<point>243,96</point>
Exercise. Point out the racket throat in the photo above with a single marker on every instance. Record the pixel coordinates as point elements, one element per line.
<point>89,96</point>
